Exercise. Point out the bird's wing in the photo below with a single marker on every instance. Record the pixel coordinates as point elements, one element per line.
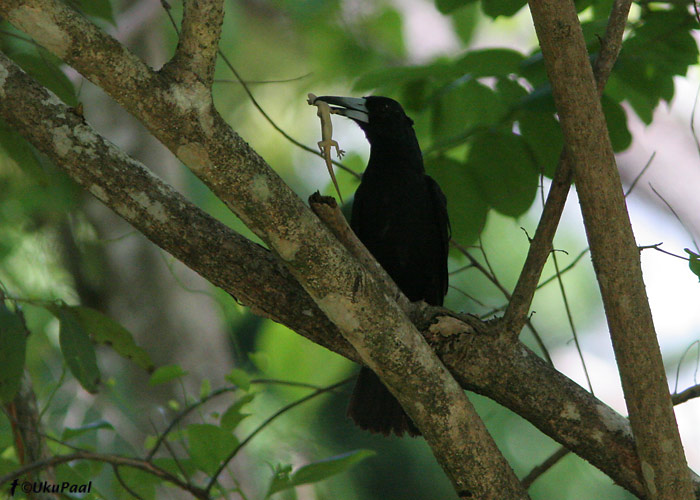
<point>439,203</point>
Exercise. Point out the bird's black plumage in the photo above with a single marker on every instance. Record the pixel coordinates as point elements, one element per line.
<point>400,215</point>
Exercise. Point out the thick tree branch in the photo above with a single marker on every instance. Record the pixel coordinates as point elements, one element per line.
<point>182,116</point>
<point>613,249</point>
<point>198,44</point>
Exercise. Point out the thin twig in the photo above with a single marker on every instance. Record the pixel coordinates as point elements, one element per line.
<point>657,247</point>
<point>543,467</point>
<point>491,277</point>
<point>686,395</point>
<point>182,415</point>
<point>680,362</point>
<point>467,295</point>
<point>565,270</point>
<point>128,489</point>
<point>264,424</point>
<point>570,317</point>
<point>136,463</point>
<point>476,264</point>
<point>261,82</point>
<point>668,205</point>
<point>213,394</point>
<point>695,105</point>
<point>640,174</point>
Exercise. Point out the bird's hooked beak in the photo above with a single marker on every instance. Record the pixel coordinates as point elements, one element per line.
<point>354,108</point>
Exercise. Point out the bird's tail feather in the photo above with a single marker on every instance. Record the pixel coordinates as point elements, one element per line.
<point>374,408</point>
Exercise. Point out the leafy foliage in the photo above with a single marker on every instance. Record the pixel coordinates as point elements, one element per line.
<point>77,349</point>
<point>284,478</point>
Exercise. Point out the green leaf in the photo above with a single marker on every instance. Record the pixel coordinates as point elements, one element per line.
<point>77,348</point>
<point>13,343</point>
<point>465,204</point>
<point>70,433</point>
<point>204,388</point>
<point>616,118</point>
<point>540,100</point>
<point>462,107</point>
<point>101,9</point>
<point>176,466</point>
<point>316,471</point>
<point>394,76</point>
<point>543,135</point>
<point>280,479</point>
<point>209,445</point>
<point>693,262</point>
<point>504,171</point>
<point>45,69</point>
<point>166,374</point>
<point>490,62</point>
<point>448,6</point>
<point>386,31</point>
<point>465,22</point>
<point>233,416</point>
<point>239,378</point>
<point>140,482</point>
<point>508,8</point>
<point>260,359</point>
<point>104,330</point>
<point>660,47</point>
<point>21,152</point>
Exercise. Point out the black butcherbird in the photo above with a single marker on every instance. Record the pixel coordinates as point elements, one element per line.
<point>400,215</point>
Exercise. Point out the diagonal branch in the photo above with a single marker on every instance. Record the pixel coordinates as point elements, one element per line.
<point>613,250</point>
<point>541,245</point>
<point>115,460</point>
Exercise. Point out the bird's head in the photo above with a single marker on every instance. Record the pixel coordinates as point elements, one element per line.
<point>382,119</point>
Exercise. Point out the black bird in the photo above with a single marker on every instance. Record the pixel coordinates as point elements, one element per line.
<point>400,215</point>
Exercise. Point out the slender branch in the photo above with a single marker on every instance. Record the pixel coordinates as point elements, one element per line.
<point>551,461</point>
<point>570,318</point>
<point>268,421</point>
<point>569,267</point>
<point>541,245</point>
<point>490,275</point>
<point>262,82</point>
<point>128,489</point>
<point>182,414</point>
<point>115,460</point>
<point>686,395</point>
<point>640,174</point>
<point>611,43</point>
<point>675,214</point>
